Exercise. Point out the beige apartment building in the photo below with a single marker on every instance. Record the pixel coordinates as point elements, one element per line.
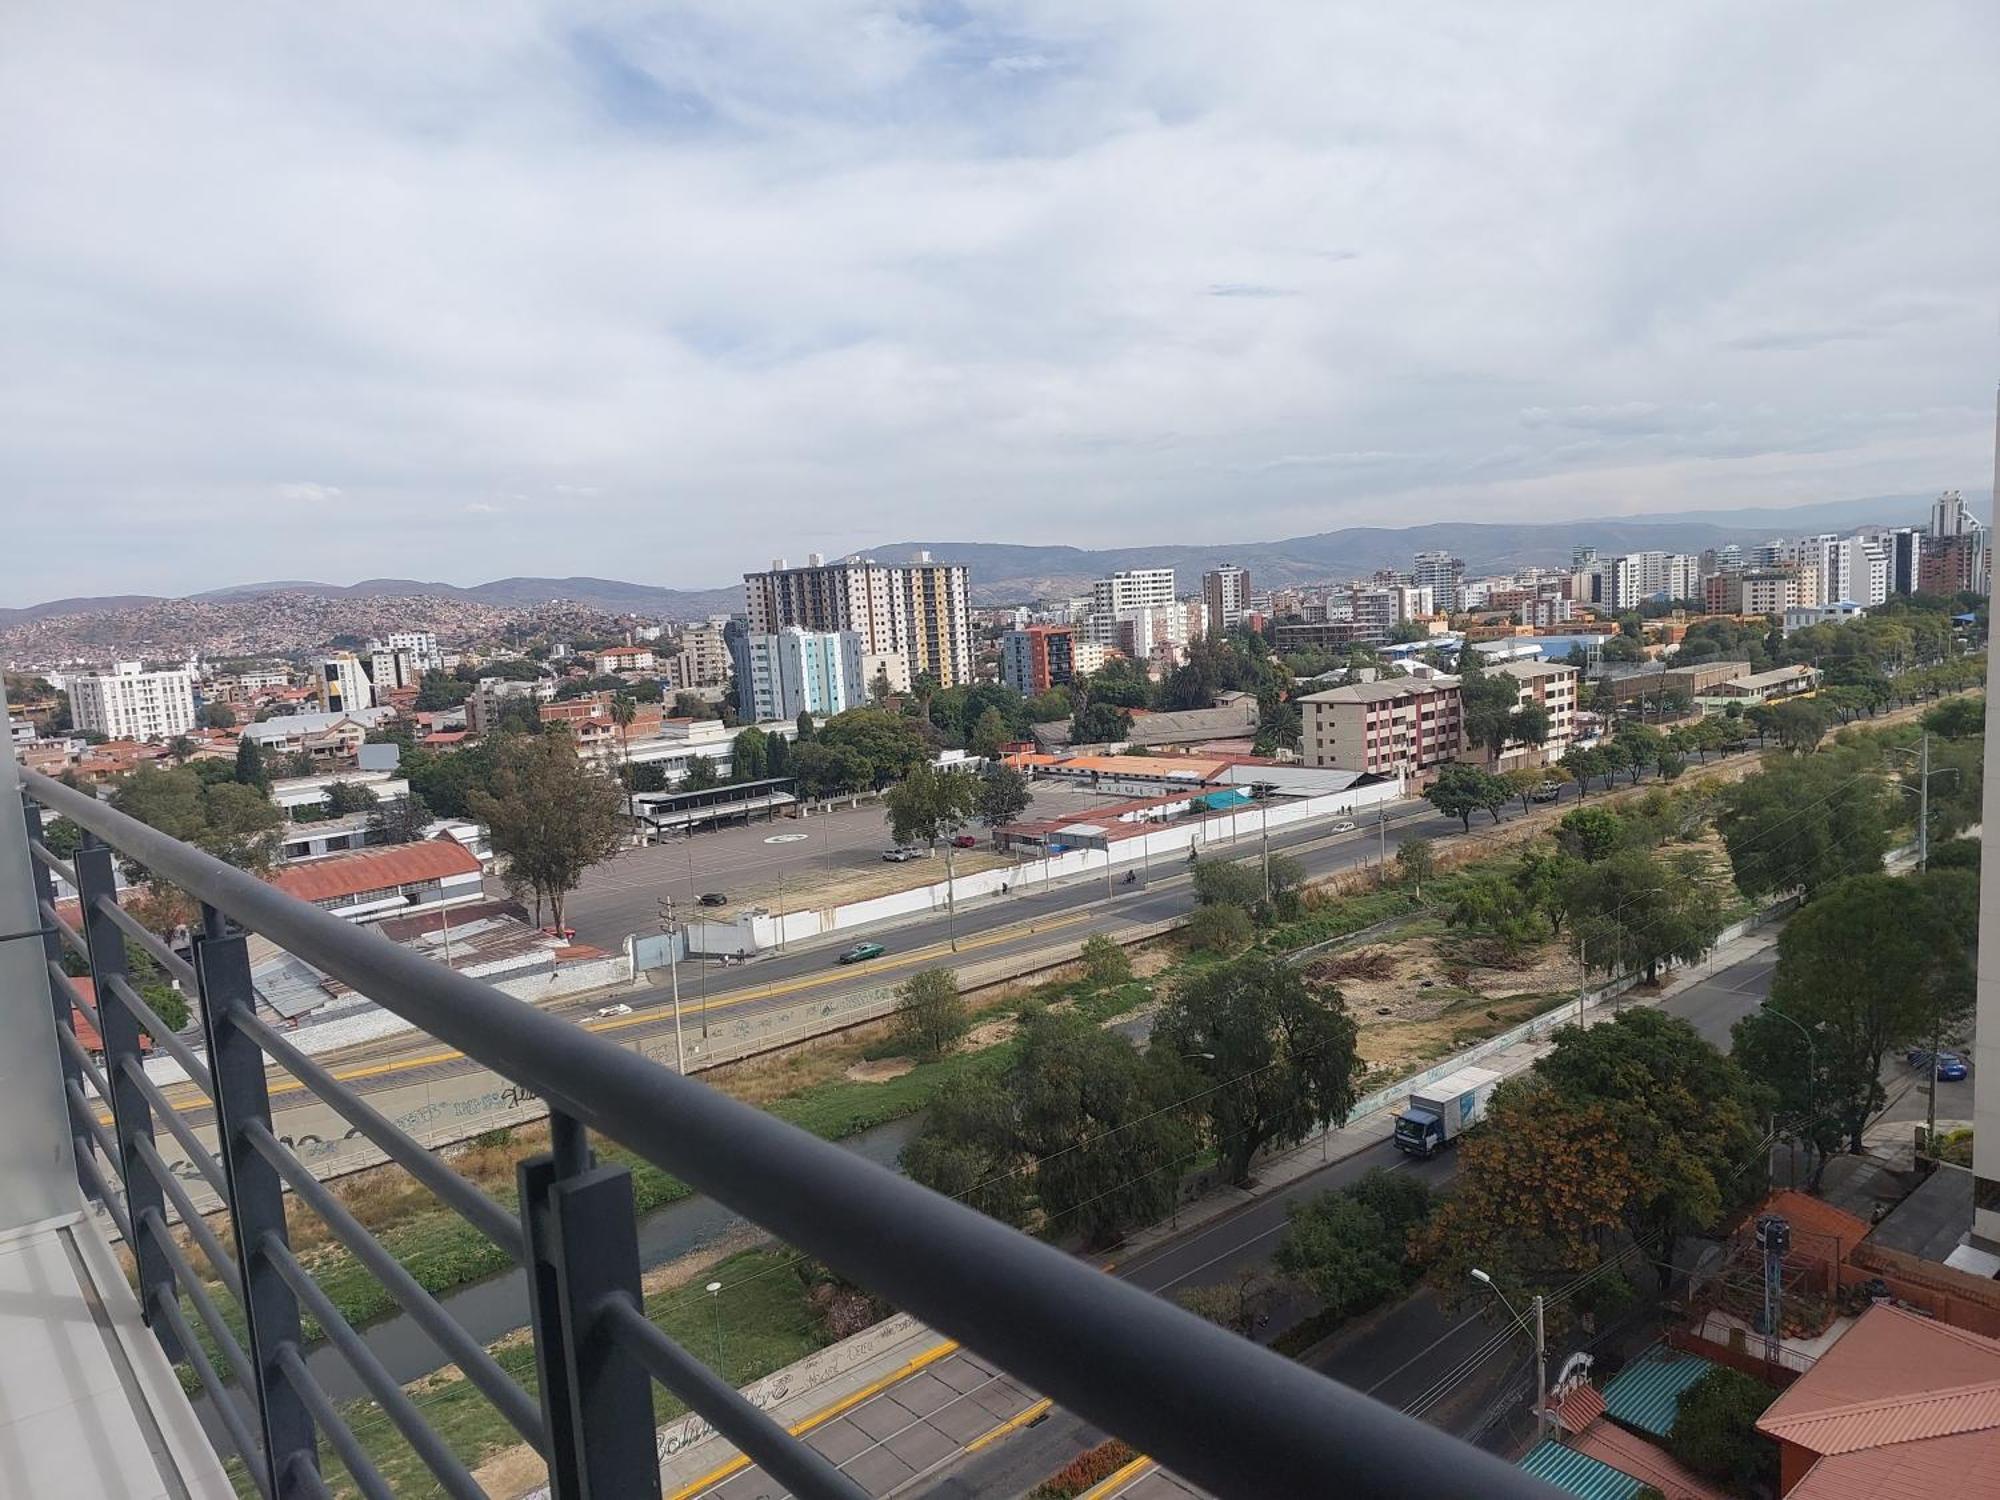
<point>920,610</point>
<point>1407,726</point>
<point>1553,687</point>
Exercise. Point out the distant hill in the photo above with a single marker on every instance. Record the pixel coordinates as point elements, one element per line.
<point>1006,572</point>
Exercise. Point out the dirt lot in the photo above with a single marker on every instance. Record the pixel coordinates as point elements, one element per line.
<point>1416,999</point>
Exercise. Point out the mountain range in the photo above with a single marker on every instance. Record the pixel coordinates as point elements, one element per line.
<point>1011,573</point>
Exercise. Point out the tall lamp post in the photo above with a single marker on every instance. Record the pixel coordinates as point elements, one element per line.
<point>1540,1332</point>
<point>671,928</point>
<point>715,1300</point>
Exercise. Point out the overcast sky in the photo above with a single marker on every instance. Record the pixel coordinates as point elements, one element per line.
<point>465,290</point>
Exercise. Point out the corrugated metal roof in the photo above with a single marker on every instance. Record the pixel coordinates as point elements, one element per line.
<point>1894,1419</point>
<point>1968,1464</point>
<point>1894,1377</point>
<point>1578,1474</point>
<point>375,869</point>
<point>1646,1393</point>
<point>1647,1462</point>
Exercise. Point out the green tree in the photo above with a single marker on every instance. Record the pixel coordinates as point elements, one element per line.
<point>1501,912</point>
<point>1461,790</point>
<point>1003,795</point>
<point>550,815</point>
<point>1102,1122</point>
<point>969,1149</point>
<point>1050,707</point>
<point>805,728</point>
<point>1685,1114</point>
<point>829,770</point>
<point>1416,859</point>
<point>889,744</point>
<point>1799,726</point>
<point>1228,882</point>
<point>1638,910</point>
<point>929,804</point>
<point>1715,1432</point>
<point>1349,1247</point>
<point>1221,928</point>
<point>1875,962</point>
<point>1105,962</point>
<point>250,767</point>
<point>231,821</point>
<point>1590,833</point>
<point>345,797</point>
<point>1801,825</point>
<point>931,1015</point>
<point>700,774</point>
<point>1100,724</point>
<point>989,735</point>
<point>750,755</point>
<point>1274,1060</point>
<point>400,820</point>
<point>218,716</point>
<point>1957,718</point>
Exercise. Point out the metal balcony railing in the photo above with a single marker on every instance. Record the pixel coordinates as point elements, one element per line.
<point>1215,1408</point>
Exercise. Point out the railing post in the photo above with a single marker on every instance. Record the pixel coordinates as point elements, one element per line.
<point>52,950</point>
<point>131,1115</point>
<point>583,1251</point>
<point>256,1197</point>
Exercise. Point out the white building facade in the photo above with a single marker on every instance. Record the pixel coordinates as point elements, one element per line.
<point>794,671</point>
<point>129,703</point>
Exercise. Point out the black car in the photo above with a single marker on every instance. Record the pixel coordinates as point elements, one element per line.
<point>713,898</point>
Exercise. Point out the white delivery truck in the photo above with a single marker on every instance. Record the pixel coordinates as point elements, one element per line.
<point>1441,1111</point>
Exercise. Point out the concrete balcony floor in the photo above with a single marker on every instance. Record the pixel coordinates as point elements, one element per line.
<point>89,1405</point>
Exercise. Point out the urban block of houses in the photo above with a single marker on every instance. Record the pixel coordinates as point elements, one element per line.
<point>1762,687</point>
<point>1228,728</point>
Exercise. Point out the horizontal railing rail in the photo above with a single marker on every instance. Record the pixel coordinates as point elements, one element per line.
<point>1218,1409</point>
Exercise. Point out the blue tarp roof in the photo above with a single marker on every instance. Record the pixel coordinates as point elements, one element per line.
<point>1579,1474</point>
<point>1233,797</point>
<point>1646,1393</point>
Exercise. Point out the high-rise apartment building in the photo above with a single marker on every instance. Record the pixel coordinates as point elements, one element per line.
<point>920,610</point>
<point>1638,576</point>
<point>707,653</point>
<point>1444,576</point>
<point>130,703</point>
<point>392,667</point>
<point>343,684</point>
<point>1118,599</point>
<point>422,646</point>
<point>1038,658</point>
<point>794,671</point>
<point>1225,593</point>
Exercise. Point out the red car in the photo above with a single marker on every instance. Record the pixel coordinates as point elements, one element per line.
<point>965,841</point>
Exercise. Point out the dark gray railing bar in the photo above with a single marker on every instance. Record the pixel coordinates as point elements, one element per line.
<point>99,1189</point>
<point>480,1367</point>
<point>300,1477</point>
<point>226,1269</point>
<point>70,937</point>
<point>61,996</point>
<point>50,860</point>
<point>1220,1411</point>
<point>367,1478</point>
<point>86,1065</point>
<point>198,1155</point>
<point>480,1211</point>
<point>168,1310</point>
<point>197,1070</point>
<point>150,944</point>
<point>85,1114</point>
<point>66,987</point>
<point>798,1466</point>
<point>387,1391</point>
<point>204,1305</point>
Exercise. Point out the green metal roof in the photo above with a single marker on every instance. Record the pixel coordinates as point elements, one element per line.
<point>1646,1393</point>
<point>1579,1474</point>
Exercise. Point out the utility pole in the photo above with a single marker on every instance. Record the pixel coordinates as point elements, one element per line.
<point>1541,1373</point>
<point>672,929</point>
<point>1382,835</point>
<point>951,897</point>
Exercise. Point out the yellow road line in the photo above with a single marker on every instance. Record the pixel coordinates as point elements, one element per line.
<point>742,997</point>
<point>1106,1488</point>
<point>1012,1424</point>
<point>826,1414</point>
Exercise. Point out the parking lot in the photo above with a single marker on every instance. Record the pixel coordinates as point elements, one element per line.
<point>780,863</point>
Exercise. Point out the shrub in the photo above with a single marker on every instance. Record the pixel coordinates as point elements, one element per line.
<point>930,1014</point>
<point>1218,929</point>
<point>1715,1431</point>
<point>1083,1471</point>
<point>1105,962</point>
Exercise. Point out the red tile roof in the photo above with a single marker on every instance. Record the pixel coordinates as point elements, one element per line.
<point>1646,1462</point>
<point>86,1029</point>
<point>375,869</point>
<point>1968,1464</point>
<point>1817,1216</point>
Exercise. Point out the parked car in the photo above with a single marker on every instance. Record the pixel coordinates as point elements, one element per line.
<point>713,898</point>
<point>861,953</point>
<point>1951,1066</point>
<point>902,854</point>
<point>965,841</point>
<point>620,1009</point>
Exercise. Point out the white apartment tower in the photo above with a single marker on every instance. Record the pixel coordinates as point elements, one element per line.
<point>129,703</point>
<point>343,684</point>
<point>1128,597</point>
<point>1444,576</point>
<point>1225,593</point>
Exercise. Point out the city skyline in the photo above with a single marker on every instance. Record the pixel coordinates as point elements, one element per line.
<point>491,286</point>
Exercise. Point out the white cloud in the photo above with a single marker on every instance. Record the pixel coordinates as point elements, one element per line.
<point>718,278</point>
<point>481,508</point>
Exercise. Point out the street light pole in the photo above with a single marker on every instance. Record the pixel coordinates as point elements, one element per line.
<point>672,929</point>
<point>1540,1332</point>
<point>715,1300</point>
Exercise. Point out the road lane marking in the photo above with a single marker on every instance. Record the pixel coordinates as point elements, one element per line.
<point>824,1415</point>
<point>1013,1424</point>
<point>1105,1489</point>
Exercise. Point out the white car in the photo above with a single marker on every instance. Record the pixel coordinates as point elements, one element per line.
<point>901,855</point>
<point>1343,828</point>
<point>604,1011</point>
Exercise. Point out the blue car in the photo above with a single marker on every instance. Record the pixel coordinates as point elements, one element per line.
<point>1951,1067</point>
